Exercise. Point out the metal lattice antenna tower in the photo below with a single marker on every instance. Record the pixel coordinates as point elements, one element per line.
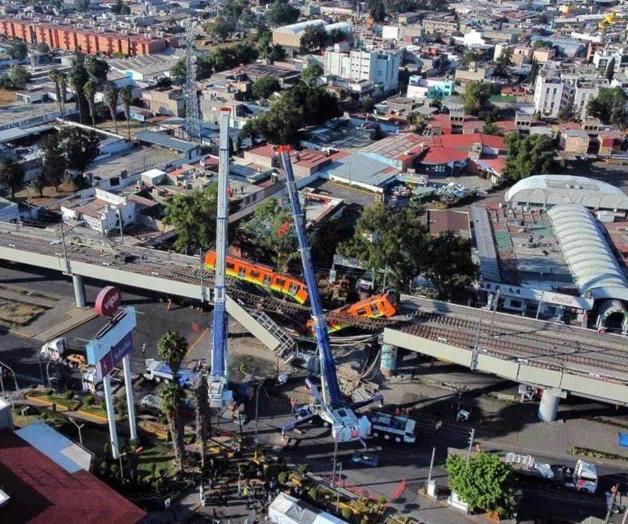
<point>192,116</point>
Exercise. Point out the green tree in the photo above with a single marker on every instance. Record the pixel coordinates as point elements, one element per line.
<point>172,348</point>
<point>193,217</point>
<point>18,50</point>
<point>178,72</point>
<point>265,86</point>
<point>377,10</point>
<point>221,27</point>
<point>281,13</point>
<point>484,483</point>
<point>171,404</point>
<point>19,76</point>
<point>450,266</point>
<point>78,78</point>
<point>97,68</point>
<point>126,95</point>
<point>111,99</point>
<point>81,147</point>
<point>504,63</point>
<point>55,76</point>
<point>280,125</point>
<point>11,175</point>
<point>610,70</point>
<point>392,240</point>
<point>277,53</point>
<point>529,155</point>
<point>271,232</point>
<point>201,395</point>
<point>38,184</point>
<point>89,90</point>
<point>313,38</point>
<point>610,106</point>
<point>476,98</point>
<point>311,74</point>
<point>491,129</point>
<point>54,162</point>
<point>470,57</point>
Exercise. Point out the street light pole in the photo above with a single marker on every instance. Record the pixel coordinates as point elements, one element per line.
<point>79,427</point>
<point>258,385</point>
<point>333,477</point>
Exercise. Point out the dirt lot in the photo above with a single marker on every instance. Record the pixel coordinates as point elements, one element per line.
<point>14,313</point>
<point>6,97</point>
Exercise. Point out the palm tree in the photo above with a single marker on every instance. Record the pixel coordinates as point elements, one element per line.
<point>89,89</point>
<point>201,393</point>
<point>171,399</point>
<point>63,83</point>
<point>111,99</point>
<point>11,175</point>
<point>77,85</point>
<point>172,348</point>
<point>126,94</point>
<point>55,76</point>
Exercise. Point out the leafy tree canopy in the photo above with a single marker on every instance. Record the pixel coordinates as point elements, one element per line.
<point>282,13</point>
<point>313,38</point>
<point>81,147</point>
<point>11,175</point>
<point>484,483</point>
<point>193,217</point>
<point>220,27</point>
<point>529,155</point>
<point>97,68</point>
<point>265,87</point>
<point>610,106</point>
<point>476,99</point>
<point>19,76</point>
<point>18,50</point>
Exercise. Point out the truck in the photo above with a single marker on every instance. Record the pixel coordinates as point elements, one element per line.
<point>59,350</point>
<point>158,370</point>
<point>394,427</point>
<point>583,477</point>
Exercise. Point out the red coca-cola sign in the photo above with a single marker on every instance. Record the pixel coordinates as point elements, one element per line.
<point>108,301</point>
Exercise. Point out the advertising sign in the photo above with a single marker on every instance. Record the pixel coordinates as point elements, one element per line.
<point>108,301</point>
<point>117,353</point>
<point>111,336</point>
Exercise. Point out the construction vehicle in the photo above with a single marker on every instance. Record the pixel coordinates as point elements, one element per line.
<point>260,275</point>
<point>328,403</point>
<point>394,427</point>
<point>158,371</point>
<point>59,350</point>
<point>219,394</point>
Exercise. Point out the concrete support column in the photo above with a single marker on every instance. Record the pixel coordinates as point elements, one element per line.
<point>388,360</point>
<point>128,386</point>
<point>111,417</point>
<point>79,290</point>
<point>548,408</point>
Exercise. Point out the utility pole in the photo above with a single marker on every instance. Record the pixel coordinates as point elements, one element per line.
<point>333,477</point>
<point>471,437</point>
<point>429,475</point>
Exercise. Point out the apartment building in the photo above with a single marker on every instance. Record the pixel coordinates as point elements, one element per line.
<point>379,66</point>
<point>90,41</point>
<point>617,55</point>
<point>556,89</point>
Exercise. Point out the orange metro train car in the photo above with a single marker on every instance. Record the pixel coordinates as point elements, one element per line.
<point>261,275</point>
<point>376,306</point>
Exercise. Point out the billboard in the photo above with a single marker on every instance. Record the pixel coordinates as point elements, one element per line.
<point>113,342</point>
<point>115,355</point>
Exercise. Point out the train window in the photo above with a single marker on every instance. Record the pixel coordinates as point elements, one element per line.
<point>361,311</point>
<point>267,280</point>
<point>374,309</point>
<point>294,288</point>
<point>230,265</point>
<point>242,272</point>
<point>280,282</point>
<point>255,274</point>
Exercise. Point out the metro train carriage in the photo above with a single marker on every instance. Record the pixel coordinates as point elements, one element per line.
<point>376,306</point>
<point>261,275</point>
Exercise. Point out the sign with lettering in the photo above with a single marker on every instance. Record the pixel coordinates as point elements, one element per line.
<point>117,353</point>
<point>108,301</point>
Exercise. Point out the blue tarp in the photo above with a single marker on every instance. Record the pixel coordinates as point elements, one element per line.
<point>622,439</point>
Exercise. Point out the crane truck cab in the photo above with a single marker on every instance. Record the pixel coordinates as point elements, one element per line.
<point>585,477</point>
<point>346,426</point>
<point>394,427</point>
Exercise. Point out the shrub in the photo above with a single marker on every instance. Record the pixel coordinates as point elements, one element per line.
<point>282,478</point>
<point>346,513</point>
<point>69,394</point>
<point>89,400</point>
<point>313,494</point>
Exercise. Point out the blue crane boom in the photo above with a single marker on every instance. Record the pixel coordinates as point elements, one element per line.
<point>346,426</point>
<point>330,388</point>
<point>219,394</point>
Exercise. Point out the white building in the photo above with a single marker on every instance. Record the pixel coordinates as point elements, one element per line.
<point>555,89</point>
<point>100,210</point>
<point>380,67</point>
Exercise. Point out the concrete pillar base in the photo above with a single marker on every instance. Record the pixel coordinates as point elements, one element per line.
<point>548,408</point>
<point>388,360</point>
<point>79,290</point>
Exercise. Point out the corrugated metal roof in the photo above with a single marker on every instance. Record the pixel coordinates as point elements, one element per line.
<point>489,265</point>
<point>586,251</point>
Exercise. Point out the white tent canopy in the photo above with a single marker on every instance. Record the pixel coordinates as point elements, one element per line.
<point>288,510</point>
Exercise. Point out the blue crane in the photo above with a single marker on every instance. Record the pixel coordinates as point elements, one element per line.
<point>346,426</point>
<point>219,393</point>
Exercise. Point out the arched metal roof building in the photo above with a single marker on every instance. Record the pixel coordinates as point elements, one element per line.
<point>594,267</point>
<point>555,190</point>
